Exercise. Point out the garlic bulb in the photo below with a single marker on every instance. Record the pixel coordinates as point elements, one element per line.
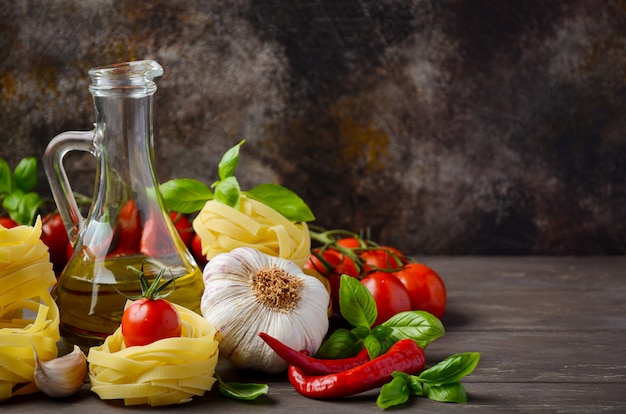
<point>247,292</point>
<point>62,376</point>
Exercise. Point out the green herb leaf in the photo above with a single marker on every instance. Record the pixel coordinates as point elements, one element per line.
<point>241,391</point>
<point>394,393</point>
<point>373,345</point>
<point>185,195</point>
<point>342,343</point>
<point>6,179</point>
<point>382,332</point>
<point>228,164</point>
<point>27,209</point>
<point>356,304</point>
<point>11,201</point>
<point>283,200</point>
<point>451,369</point>
<point>25,174</point>
<point>411,381</point>
<point>227,191</point>
<point>420,326</point>
<point>361,331</point>
<point>452,392</point>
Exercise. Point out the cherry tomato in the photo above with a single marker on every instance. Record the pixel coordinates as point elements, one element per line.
<point>350,242</point>
<point>53,234</point>
<point>147,320</point>
<point>69,252</point>
<point>426,288</point>
<point>183,226</point>
<point>324,262</point>
<point>196,250</point>
<point>389,293</point>
<point>381,258</point>
<point>7,222</point>
<point>332,265</point>
<point>153,242</point>
<point>128,230</point>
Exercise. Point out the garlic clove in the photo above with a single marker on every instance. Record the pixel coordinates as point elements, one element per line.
<point>62,376</point>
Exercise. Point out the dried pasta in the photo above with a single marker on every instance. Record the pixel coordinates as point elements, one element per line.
<point>222,229</point>
<point>29,317</point>
<point>168,371</point>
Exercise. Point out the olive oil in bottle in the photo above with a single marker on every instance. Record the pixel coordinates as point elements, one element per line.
<point>91,296</point>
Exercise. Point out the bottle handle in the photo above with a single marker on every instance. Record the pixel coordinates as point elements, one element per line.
<point>60,186</point>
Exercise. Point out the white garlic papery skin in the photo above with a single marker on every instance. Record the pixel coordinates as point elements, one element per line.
<point>233,304</point>
<point>62,376</point>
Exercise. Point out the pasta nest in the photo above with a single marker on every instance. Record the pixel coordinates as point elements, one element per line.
<point>29,317</point>
<point>167,371</point>
<point>223,228</point>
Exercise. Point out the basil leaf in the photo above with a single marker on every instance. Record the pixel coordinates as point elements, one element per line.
<point>227,192</point>
<point>361,331</point>
<point>27,209</point>
<point>341,344</point>
<point>411,381</point>
<point>451,369</point>
<point>420,326</point>
<point>6,180</point>
<point>25,174</point>
<point>228,164</point>
<point>241,391</point>
<point>356,304</point>
<point>11,201</point>
<point>185,195</point>
<point>373,345</point>
<point>382,332</point>
<point>393,393</point>
<point>283,200</point>
<point>452,392</point>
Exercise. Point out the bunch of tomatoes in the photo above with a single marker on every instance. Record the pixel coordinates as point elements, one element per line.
<point>396,282</point>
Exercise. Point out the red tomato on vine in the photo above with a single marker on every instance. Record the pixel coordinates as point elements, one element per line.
<point>7,222</point>
<point>426,288</point>
<point>196,250</point>
<point>389,293</point>
<point>54,235</point>
<point>149,317</point>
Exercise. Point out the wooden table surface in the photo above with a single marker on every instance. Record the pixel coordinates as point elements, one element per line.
<point>551,330</point>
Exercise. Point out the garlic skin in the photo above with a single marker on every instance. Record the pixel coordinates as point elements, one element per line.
<point>247,292</point>
<point>62,376</point>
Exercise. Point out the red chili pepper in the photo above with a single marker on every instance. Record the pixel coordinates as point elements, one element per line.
<point>310,365</point>
<point>405,355</point>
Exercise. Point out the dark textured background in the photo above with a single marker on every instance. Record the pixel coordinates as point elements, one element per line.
<point>446,127</point>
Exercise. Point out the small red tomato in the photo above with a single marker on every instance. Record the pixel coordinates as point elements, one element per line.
<point>389,293</point>
<point>183,226</point>
<point>196,250</point>
<point>54,235</point>
<point>350,242</point>
<point>425,287</point>
<point>147,320</point>
<point>155,238</point>
<point>7,223</point>
<point>69,251</point>
<point>150,317</point>
<point>331,264</point>
<point>128,230</point>
<point>323,262</point>
<point>381,258</point>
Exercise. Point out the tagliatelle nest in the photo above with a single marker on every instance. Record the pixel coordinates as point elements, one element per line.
<point>168,371</point>
<point>222,229</point>
<point>26,276</point>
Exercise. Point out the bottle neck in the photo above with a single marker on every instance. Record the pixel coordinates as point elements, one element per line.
<point>124,148</point>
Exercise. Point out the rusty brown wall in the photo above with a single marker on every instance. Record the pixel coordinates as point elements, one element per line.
<point>446,127</point>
